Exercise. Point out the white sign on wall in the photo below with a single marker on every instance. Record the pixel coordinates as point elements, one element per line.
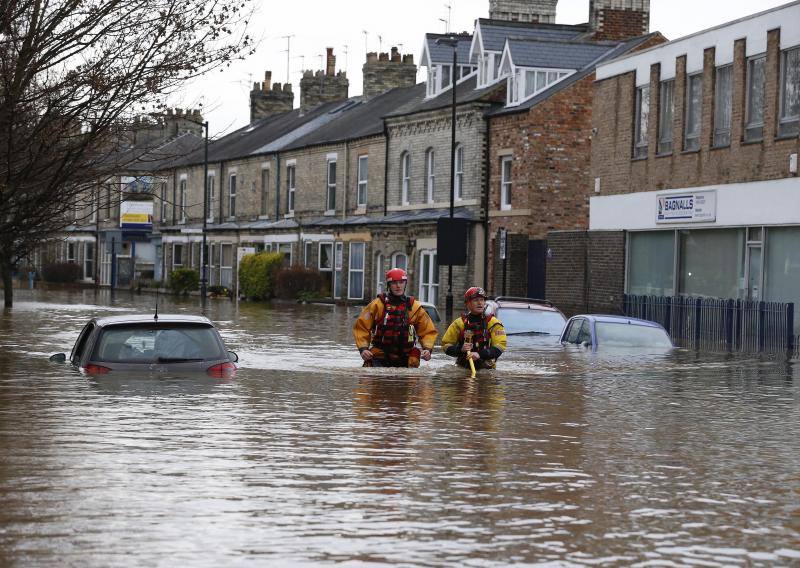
<point>689,207</point>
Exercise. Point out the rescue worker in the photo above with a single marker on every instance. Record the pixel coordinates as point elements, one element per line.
<point>475,335</point>
<point>387,329</point>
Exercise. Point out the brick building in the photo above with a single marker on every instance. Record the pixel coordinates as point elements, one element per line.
<point>694,163</point>
<point>540,139</point>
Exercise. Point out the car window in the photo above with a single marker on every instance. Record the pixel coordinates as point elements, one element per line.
<point>80,343</point>
<point>157,342</point>
<point>574,329</point>
<point>524,320</point>
<point>618,334</point>
<point>433,312</point>
<point>585,333</point>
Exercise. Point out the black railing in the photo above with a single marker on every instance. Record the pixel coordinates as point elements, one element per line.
<point>713,324</point>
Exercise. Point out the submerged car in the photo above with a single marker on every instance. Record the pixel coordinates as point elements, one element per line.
<point>615,332</point>
<point>433,312</point>
<point>526,315</point>
<point>151,344</point>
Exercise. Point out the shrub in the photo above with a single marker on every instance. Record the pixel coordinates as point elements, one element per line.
<point>183,280</point>
<point>61,272</point>
<point>257,274</point>
<point>219,291</point>
<point>299,282</point>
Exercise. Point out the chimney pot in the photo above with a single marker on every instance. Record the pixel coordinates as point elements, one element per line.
<point>331,63</point>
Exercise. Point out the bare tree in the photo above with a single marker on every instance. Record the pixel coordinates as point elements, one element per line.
<point>73,73</point>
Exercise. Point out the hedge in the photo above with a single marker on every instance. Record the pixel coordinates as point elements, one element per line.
<point>183,280</point>
<point>257,274</point>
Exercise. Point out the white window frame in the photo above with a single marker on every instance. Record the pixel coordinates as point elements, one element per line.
<point>164,203</point>
<point>754,129</point>
<point>176,246</point>
<point>330,256</point>
<point>363,180</point>
<point>506,183</point>
<point>722,135</point>
<point>307,245</point>
<point>405,176</point>
<point>428,290</point>
<point>211,183</point>
<point>666,116</point>
<point>291,180</point>
<point>182,183</point>
<point>351,271</point>
<point>330,185</point>
<point>458,186</point>
<point>71,251</point>
<point>380,284</point>
<point>695,136</point>
<point>398,255</point>
<point>232,188</point>
<point>265,182</point>
<point>430,175</point>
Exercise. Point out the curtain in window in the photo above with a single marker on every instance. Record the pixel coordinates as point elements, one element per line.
<point>651,258</point>
<point>712,263</point>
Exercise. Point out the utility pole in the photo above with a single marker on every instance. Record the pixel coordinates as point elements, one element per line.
<point>288,39</point>
<point>449,11</point>
<point>380,43</point>
<point>345,58</point>
<point>366,40</point>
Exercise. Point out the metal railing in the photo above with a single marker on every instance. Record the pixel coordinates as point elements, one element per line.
<point>713,324</point>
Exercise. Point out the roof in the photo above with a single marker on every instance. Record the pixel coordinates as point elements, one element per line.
<point>493,33</point>
<point>394,218</point>
<point>465,93</point>
<point>165,155</point>
<point>444,53</point>
<point>235,225</point>
<point>603,318</point>
<point>149,318</point>
<point>558,54</point>
<point>360,119</point>
<point>613,50</point>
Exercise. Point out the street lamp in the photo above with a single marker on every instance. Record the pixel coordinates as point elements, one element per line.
<point>452,42</point>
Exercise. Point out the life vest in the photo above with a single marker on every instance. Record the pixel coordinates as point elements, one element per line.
<point>392,333</point>
<point>481,338</point>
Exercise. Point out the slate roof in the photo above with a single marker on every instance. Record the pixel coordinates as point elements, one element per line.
<point>395,218</point>
<point>236,225</point>
<point>465,93</point>
<point>163,156</point>
<point>613,50</point>
<point>494,32</point>
<point>556,54</point>
<point>443,54</point>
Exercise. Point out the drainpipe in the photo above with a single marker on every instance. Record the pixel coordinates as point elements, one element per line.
<point>487,187</point>
<point>386,171</point>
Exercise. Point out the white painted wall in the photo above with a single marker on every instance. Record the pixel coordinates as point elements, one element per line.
<point>775,202</point>
<point>753,28</point>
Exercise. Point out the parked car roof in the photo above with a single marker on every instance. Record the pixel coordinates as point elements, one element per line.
<point>150,318</point>
<point>618,319</point>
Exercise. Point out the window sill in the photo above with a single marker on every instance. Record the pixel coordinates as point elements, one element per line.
<point>725,147</point>
<point>360,210</point>
<point>787,137</point>
<point>231,218</point>
<point>664,155</point>
<point>289,215</point>
<point>263,217</point>
<point>328,213</point>
<point>639,159</point>
<point>753,141</point>
<point>686,152</point>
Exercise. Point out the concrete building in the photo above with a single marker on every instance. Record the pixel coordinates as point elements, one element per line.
<point>694,166</point>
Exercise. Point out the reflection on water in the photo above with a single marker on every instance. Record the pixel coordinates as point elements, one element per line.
<point>559,458</point>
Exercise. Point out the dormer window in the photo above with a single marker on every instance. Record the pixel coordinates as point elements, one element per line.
<point>525,83</point>
<point>440,77</point>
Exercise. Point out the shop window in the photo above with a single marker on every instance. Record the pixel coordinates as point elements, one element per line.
<point>712,263</point>
<point>651,263</point>
<point>782,268</point>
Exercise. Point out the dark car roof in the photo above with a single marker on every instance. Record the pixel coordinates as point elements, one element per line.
<point>148,318</point>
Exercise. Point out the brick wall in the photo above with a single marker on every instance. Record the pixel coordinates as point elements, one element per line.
<point>566,271</point>
<point>619,173</point>
<point>606,271</point>
<point>516,266</point>
<point>384,72</point>
<point>267,99</point>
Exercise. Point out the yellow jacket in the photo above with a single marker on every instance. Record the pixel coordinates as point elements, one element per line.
<point>418,318</point>
<point>497,339</point>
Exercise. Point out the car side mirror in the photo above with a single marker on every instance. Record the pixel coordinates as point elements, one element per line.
<point>234,357</point>
<point>58,358</point>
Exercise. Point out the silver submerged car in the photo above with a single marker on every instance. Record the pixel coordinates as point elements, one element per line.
<point>151,344</point>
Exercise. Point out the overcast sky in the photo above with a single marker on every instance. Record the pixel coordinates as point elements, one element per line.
<point>317,24</point>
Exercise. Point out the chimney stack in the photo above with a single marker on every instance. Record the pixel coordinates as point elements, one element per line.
<point>541,11</point>
<point>266,99</point>
<point>385,71</point>
<point>619,19</point>
<point>324,86</point>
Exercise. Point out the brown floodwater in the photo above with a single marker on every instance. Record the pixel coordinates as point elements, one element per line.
<point>559,458</point>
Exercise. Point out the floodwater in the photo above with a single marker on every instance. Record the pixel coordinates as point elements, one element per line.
<point>558,458</point>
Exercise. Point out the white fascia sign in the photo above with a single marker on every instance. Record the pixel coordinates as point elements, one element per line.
<point>688,207</point>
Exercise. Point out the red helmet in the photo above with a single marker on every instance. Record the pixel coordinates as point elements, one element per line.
<point>396,275</point>
<point>474,292</point>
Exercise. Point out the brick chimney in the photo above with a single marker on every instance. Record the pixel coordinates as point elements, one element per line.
<point>321,87</point>
<point>619,19</point>
<point>388,71</point>
<point>542,11</point>
<point>266,101</point>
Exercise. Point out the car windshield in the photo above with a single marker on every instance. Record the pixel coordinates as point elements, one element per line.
<point>524,320</point>
<point>613,334</point>
<point>433,312</point>
<point>157,343</point>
